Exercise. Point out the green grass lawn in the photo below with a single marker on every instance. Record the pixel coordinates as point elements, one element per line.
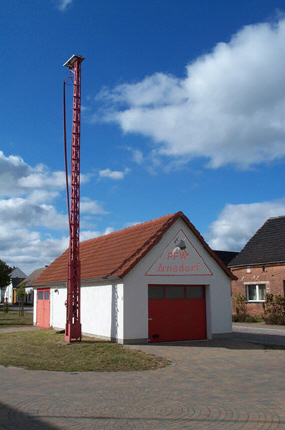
<point>46,350</point>
<point>13,319</point>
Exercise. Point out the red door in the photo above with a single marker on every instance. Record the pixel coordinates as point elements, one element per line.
<point>43,308</point>
<point>176,312</point>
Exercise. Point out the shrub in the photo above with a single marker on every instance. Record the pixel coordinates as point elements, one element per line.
<point>246,318</point>
<point>274,319</point>
<point>240,303</point>
<point>21,294</point>
<point>238,318</point>
<point>252,319</point>
<point>274,309</point>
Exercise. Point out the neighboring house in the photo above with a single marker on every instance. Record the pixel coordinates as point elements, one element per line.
<point>260,266</point>
<point>17,276</point>
<point>156,281</point>
<point>29,298</point>
<point>226,256</point>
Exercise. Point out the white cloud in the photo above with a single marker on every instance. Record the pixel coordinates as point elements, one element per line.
<point>156,90</point>
<point>131,224</point>
<point>91,234</point>
<point>27,249</point>
<point>108,230</point>
<point>19,212</point>
<point>42,179</point>
<point>33,230</point>
<point>12,170</point>
<point>18,178</point>
<point>138,156</point>
<point>117,175</point>
<point>229,108</point>
<point>91,207</point>
<point>62,5</point>
<point>236,224</point>
<point>42,196</point>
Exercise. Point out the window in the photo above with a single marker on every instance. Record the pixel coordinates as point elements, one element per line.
<point>174,292</point>
<point>195,292</point>
<point>255,292</point>
<point>40,295</point>
<point>156,292</point>
<point>46,295</point>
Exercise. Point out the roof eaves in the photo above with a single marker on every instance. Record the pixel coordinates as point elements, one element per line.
<point>102,279</point>
<point>257,264</point>
<point>49,284</point>
<point>83,281</point>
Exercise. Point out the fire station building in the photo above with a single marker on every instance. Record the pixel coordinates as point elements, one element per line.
<point>153,282</point>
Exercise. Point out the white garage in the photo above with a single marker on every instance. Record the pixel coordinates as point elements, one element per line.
<point>154,282</point>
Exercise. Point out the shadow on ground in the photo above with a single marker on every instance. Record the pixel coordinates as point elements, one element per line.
<point>14,419</point>
<point>234,342</point>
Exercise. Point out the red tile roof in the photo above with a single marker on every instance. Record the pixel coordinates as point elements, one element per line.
<point>115,254</point>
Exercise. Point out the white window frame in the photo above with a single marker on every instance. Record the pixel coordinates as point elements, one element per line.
<point>256,285</point>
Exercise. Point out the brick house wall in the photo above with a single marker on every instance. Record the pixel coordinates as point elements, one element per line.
<point>272,275</point>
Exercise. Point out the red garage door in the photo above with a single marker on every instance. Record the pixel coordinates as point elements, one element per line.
<point>176,312</point>
<point>43,308</point>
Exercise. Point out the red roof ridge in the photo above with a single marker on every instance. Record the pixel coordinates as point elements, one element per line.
<point>130,227</point>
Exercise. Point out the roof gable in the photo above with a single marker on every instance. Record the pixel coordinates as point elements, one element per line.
<point>33,276</point>
<point>265,246</point>
<point>18,273</point>
<point>115,254</point>
<point>226,256</point>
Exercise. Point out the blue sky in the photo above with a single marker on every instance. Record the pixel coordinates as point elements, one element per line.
<point>183,108</point>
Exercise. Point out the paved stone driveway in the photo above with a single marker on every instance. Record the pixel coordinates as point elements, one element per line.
<point>219,384</point>
<point>259,332</point>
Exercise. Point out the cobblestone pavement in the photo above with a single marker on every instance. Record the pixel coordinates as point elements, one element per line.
<point>260,333</point>
<point>216,385</point>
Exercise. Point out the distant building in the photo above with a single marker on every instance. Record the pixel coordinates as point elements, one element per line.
<point>226,256</point>
<point>29,298</point>
<point>17,276</point>
<point>260,266</point>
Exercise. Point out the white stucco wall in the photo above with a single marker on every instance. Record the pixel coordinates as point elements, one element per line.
<point>35,307</point>
<point>8,294</point>
<point>57,307</point>
<point>30,293</point>
<point>101,310</point>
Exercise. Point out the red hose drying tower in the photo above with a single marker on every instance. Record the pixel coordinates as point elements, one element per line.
<point>73,324</point>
